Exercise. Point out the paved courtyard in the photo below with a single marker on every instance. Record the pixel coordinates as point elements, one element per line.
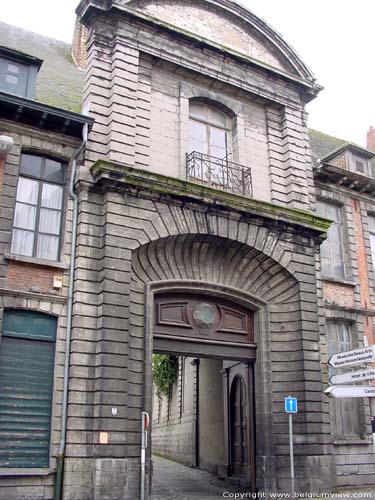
<point>173,481</point>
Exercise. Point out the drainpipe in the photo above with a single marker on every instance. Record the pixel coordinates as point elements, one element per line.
<point>57,493</point>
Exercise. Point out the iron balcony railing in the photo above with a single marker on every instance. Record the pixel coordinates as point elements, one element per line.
<point>219,173</point>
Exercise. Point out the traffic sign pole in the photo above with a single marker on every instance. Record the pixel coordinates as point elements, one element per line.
<point>291,453</point>
<point>290,408</point>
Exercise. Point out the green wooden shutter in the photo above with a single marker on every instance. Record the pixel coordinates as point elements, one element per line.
<point>27,352</point>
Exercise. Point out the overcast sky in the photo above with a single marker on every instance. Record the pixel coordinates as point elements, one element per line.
<point>335,38</point>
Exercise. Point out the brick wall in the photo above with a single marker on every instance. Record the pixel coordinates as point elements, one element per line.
<point>371,139</point>
<point>24,276</point>
<point>79,45</point>
<point>341,295</point>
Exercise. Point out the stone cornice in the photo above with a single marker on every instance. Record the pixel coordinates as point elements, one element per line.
<point>114,176</point>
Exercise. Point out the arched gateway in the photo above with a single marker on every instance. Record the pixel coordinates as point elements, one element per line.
<point>206,295</point>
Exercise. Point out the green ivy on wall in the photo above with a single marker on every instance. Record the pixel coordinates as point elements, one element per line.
<point>164,370</point>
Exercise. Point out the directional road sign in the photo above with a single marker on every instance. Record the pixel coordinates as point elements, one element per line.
<point>291,405</point>
<point>355,357</point>
<point>351,391</point>
<point>352,377</point>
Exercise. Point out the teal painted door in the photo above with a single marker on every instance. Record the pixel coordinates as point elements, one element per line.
<point>27,352</point>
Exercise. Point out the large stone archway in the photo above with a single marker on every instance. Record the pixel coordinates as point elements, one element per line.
<point>216,266</point>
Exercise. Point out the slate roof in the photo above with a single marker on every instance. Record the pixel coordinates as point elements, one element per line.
<point>59,82</point>
<point>323,144</point>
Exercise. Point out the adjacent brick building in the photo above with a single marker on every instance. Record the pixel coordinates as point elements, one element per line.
<point>195,219</point>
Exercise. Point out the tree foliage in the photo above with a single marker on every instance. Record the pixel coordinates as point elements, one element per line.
<point>164,370</point>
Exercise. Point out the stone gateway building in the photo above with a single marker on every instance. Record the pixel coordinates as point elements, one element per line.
<point>192,229</point>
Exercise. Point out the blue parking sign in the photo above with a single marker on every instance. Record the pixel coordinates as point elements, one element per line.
<point>291,405</point>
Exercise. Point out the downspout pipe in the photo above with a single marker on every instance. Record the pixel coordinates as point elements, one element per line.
<point>57,494</point>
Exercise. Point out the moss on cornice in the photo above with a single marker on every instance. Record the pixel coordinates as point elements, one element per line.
<point>110,173</point>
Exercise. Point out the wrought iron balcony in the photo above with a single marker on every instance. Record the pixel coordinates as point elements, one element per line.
<point>219,173</point>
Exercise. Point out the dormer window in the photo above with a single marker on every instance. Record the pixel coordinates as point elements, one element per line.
<point>18,73</point>
<point>13,77</point>
<point>359,165</point>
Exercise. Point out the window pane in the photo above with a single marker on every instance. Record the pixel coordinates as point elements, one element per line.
<point>49,221</point>
<point>197,110</point>
<point>27,191</point>
<point>326,267</point>
<point>338,269</point>
<point>321,208</point>
<point>31,165</point>
<point>197,136</point>
<point>217,117</point>
<point>344,336</point>
<point>12,68</point>
<point>12,79</point>
<point>336,251</point>
<point>333,212</point>
<point>52,196</point>
<point>54,171</point>
<point>24,216</point>
<point>218,139</point>
<point>371,223</point>
<point>324,249</point>
<point>47,247</point>
<point>22,243</point>
<point>334,233</point>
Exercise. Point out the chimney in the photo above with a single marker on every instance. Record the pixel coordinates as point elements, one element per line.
<point>79,45</point>
<point>371,139</point>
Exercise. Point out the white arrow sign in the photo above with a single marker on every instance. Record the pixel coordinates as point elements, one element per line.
<point>355,357</point>
<point>352,377</point>
<point>351,391</point>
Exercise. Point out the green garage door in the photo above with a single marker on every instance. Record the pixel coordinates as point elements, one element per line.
<point>27,352</point>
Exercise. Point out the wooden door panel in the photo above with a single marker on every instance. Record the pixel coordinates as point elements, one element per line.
<point>202,317</point>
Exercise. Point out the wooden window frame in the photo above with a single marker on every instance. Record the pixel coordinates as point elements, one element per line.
<point>42,180</point>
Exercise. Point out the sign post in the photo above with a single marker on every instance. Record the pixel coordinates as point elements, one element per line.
<point>354,357</point>
<point>145,424</point>
<point>290,408</point>
<point>351,391</point>
<point>353,377</point>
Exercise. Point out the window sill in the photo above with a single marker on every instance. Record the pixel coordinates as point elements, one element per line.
<point>39,262</point>
<point>26,472</point>
<point>339,281</point>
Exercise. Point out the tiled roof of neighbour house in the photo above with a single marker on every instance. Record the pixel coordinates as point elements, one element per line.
<point>59,82</point>
<point>325,147</point>
<point>323,144</point>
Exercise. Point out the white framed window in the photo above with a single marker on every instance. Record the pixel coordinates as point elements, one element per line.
<point>345,413</point>
<point>210,141</point>
<point>359,165</point>
<point>332,252</point>
<point>39,208</point>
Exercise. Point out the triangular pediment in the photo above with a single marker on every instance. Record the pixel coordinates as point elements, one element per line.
<point>229,25</point>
